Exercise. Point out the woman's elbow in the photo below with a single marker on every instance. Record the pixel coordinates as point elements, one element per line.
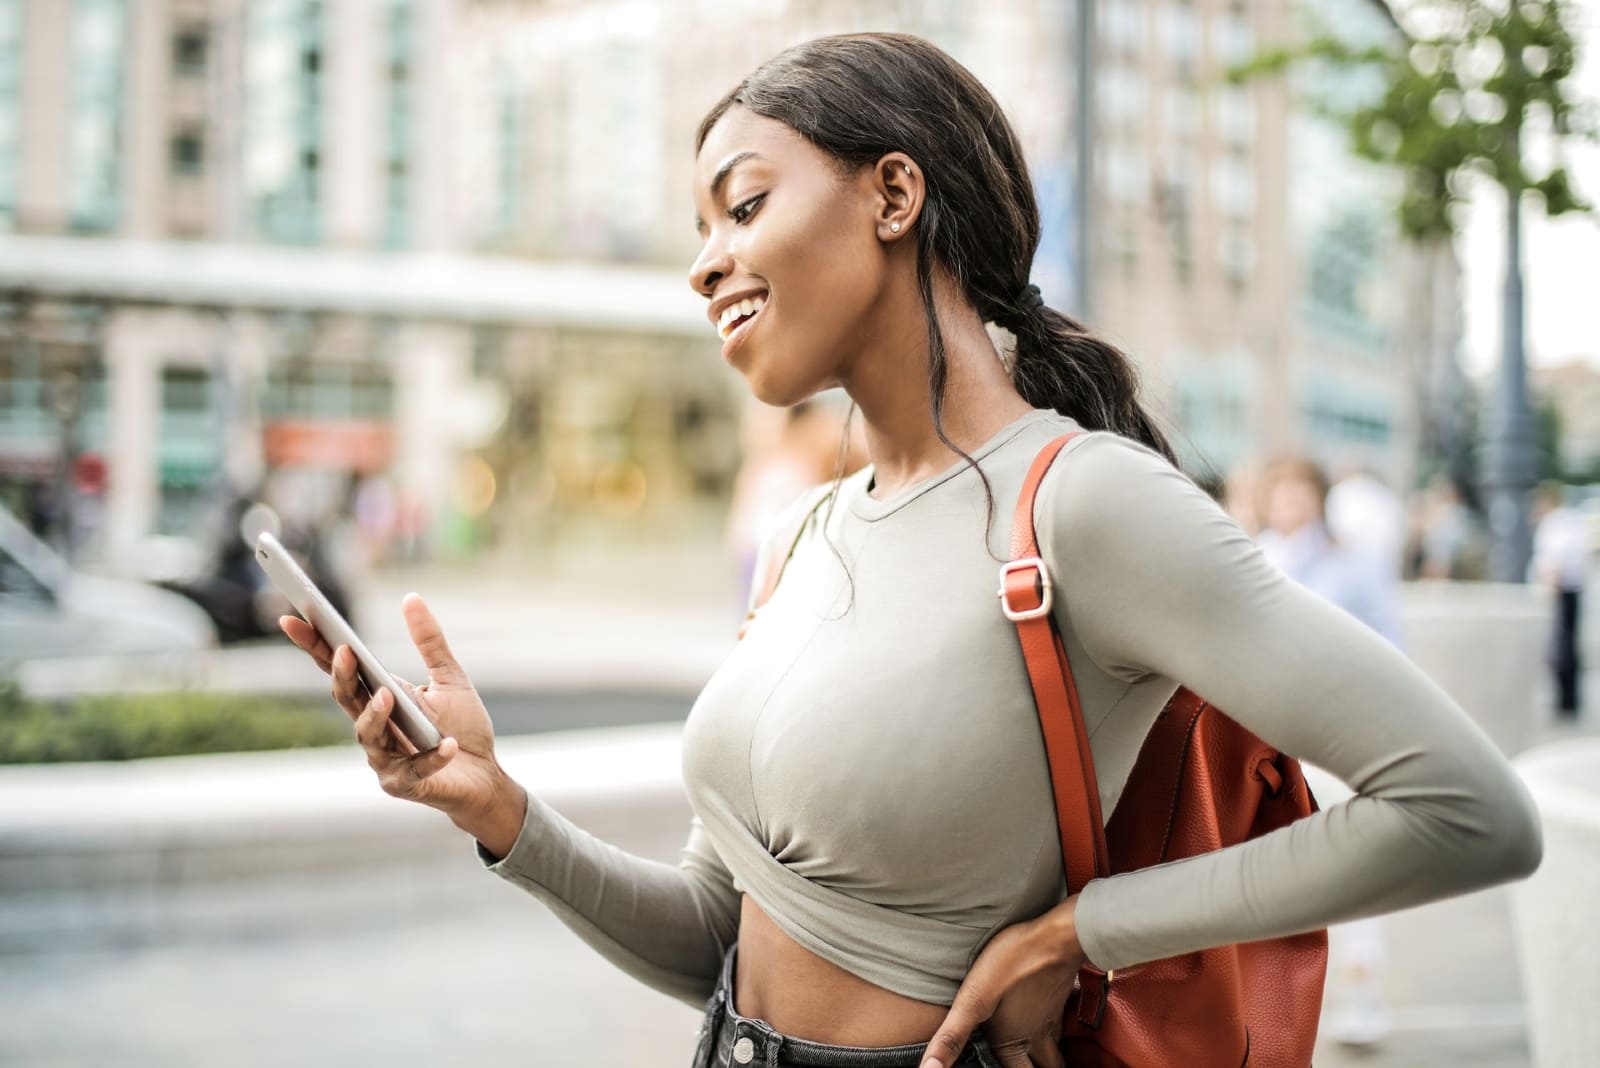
<point>1514,843</point>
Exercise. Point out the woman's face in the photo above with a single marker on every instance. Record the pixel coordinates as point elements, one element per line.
<point>785,234</point>
<point>1292,503</point>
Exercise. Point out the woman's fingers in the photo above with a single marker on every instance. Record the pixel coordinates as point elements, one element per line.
<point>347,687</point>
<point>398,771</point>
<point>424,764</point>
<point>372,727</point>
<point>305,636</point>
<point>428,637</point>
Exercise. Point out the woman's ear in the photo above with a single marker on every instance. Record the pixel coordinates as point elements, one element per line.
<point>897,183</point>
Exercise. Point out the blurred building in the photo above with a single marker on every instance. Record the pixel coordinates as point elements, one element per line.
<point>1240,253</point>
<point>445,241</point>
<point>1573,389</point>
<point>235,243</point>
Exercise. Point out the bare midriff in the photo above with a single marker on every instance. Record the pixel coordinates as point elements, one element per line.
<point>797,993</point>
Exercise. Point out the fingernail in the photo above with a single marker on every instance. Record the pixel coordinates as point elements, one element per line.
<point>932,1063</point>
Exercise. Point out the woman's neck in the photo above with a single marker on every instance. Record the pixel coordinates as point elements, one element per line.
<point>893,393</point>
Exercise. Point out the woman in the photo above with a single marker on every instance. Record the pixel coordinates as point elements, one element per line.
<point>873,875</point>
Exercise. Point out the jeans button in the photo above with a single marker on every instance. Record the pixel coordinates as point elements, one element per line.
<point>744,1050</point>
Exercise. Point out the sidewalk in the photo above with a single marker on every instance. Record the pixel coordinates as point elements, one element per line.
<point>660,623</point>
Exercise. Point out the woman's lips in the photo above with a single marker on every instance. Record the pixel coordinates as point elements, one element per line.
<point>738,334</point>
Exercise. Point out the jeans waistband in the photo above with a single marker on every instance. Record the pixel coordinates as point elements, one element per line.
<point>732,1041</point>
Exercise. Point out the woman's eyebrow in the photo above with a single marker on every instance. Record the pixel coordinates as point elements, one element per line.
<point>721,176</point>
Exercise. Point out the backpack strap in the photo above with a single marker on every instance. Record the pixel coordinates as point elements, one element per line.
<point>1027,596</point>
<point>787,534</point>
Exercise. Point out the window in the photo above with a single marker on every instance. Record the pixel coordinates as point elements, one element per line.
<point>185,389</point>
<point>1126,175</point>
<point>397,197</point>
<point>1235,185</point>
<point>1122,25</point>
<point>283,118</point>
<point>95,126</point>
<point>189,48</point>
<point>1236,115</point>
<point>1182,33</point>
<point>188,152</point>
<point>1237,39</point>
<point>10,105</point>
<point>1120,94</point>
<point>1237,253</point>
<point>1183,112</point>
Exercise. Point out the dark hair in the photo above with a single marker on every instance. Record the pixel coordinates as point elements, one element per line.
<point>860,96</point>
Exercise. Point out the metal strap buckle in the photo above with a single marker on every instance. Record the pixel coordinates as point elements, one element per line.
<point>1046,594</point>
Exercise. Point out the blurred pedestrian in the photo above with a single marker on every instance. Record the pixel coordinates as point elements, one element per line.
<point>875,861</point>
<point>1447,534</point>
<point>1368,519</point>
<point>1561,564</point>
<point>1294,493</point>
<point>1295,496</point>
<point>787,451</point>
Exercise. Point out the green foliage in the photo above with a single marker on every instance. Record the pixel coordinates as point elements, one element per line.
<point>126,728</point>
<point>1456,97</point>
<point>1547,439</point>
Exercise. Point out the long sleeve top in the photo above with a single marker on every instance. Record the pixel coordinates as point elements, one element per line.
<point>867,762</point>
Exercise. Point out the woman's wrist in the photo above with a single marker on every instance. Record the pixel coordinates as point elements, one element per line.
<point>496,822</point>
<point>1059,929</point>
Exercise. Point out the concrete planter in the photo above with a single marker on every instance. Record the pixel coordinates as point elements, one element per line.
<point>1484,643</point>
<point>1557,911</point>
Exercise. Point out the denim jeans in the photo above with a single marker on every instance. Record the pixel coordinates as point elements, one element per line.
<point>728,1040</point>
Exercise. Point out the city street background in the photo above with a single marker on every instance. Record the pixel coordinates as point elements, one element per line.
<point>405,281</point>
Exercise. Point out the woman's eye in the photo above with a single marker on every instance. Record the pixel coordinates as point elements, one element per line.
<point>742,211</point>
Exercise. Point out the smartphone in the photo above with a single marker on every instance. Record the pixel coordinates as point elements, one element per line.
<point>315,608</point>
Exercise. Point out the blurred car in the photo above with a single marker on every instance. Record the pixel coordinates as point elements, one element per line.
<point>47,609</point>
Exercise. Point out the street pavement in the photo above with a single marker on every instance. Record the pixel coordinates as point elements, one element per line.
<point>435,962</point>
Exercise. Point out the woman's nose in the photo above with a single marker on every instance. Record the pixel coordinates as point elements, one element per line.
<point>710,267</point>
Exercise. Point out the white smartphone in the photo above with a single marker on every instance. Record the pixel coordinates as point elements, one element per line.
<point>313,606</point>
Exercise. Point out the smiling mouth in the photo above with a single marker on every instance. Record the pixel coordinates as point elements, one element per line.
<point>736,316</point>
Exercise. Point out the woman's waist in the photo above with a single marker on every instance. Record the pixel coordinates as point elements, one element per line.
<point>799,993</point>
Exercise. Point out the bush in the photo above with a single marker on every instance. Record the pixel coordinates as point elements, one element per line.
<point>126,728</point>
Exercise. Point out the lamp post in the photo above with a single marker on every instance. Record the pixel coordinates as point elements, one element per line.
<point>1511,459</point>
<point>1083,186</point>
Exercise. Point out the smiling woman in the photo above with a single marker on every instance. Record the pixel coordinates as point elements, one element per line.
<point>875,873</point>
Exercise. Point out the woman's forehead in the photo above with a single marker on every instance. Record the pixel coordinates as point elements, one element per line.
<point>741,131</point>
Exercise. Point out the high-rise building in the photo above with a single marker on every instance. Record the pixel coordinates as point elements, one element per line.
<point>384,237</point>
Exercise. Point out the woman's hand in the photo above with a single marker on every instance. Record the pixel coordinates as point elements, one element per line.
<point>1016,989</point>
<point>461,777</point>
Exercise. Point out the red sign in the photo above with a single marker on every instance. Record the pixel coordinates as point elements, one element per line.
<point>345,445</point>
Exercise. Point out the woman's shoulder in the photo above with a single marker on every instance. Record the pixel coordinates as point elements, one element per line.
<point>1107,484</point>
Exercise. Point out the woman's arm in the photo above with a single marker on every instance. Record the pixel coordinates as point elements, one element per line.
<point>1157,580</point>
<point>667,926</point>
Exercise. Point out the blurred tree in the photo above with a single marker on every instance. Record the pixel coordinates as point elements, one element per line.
<point>1547,433</point>
<point>1459,89</point>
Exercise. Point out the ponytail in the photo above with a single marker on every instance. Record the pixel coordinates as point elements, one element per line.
<point>1059,364</point>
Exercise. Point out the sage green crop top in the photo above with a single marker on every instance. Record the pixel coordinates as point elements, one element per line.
<point>867,761</point>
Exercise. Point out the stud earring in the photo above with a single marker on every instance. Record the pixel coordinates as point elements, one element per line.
<point>895,227</point>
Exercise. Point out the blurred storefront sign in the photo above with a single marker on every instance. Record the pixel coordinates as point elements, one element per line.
<point>361,446</point>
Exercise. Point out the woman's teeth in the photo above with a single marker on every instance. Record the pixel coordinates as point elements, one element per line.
<point>735,312</point>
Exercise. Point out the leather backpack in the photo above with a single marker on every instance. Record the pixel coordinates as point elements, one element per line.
<point>1201,782</point>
